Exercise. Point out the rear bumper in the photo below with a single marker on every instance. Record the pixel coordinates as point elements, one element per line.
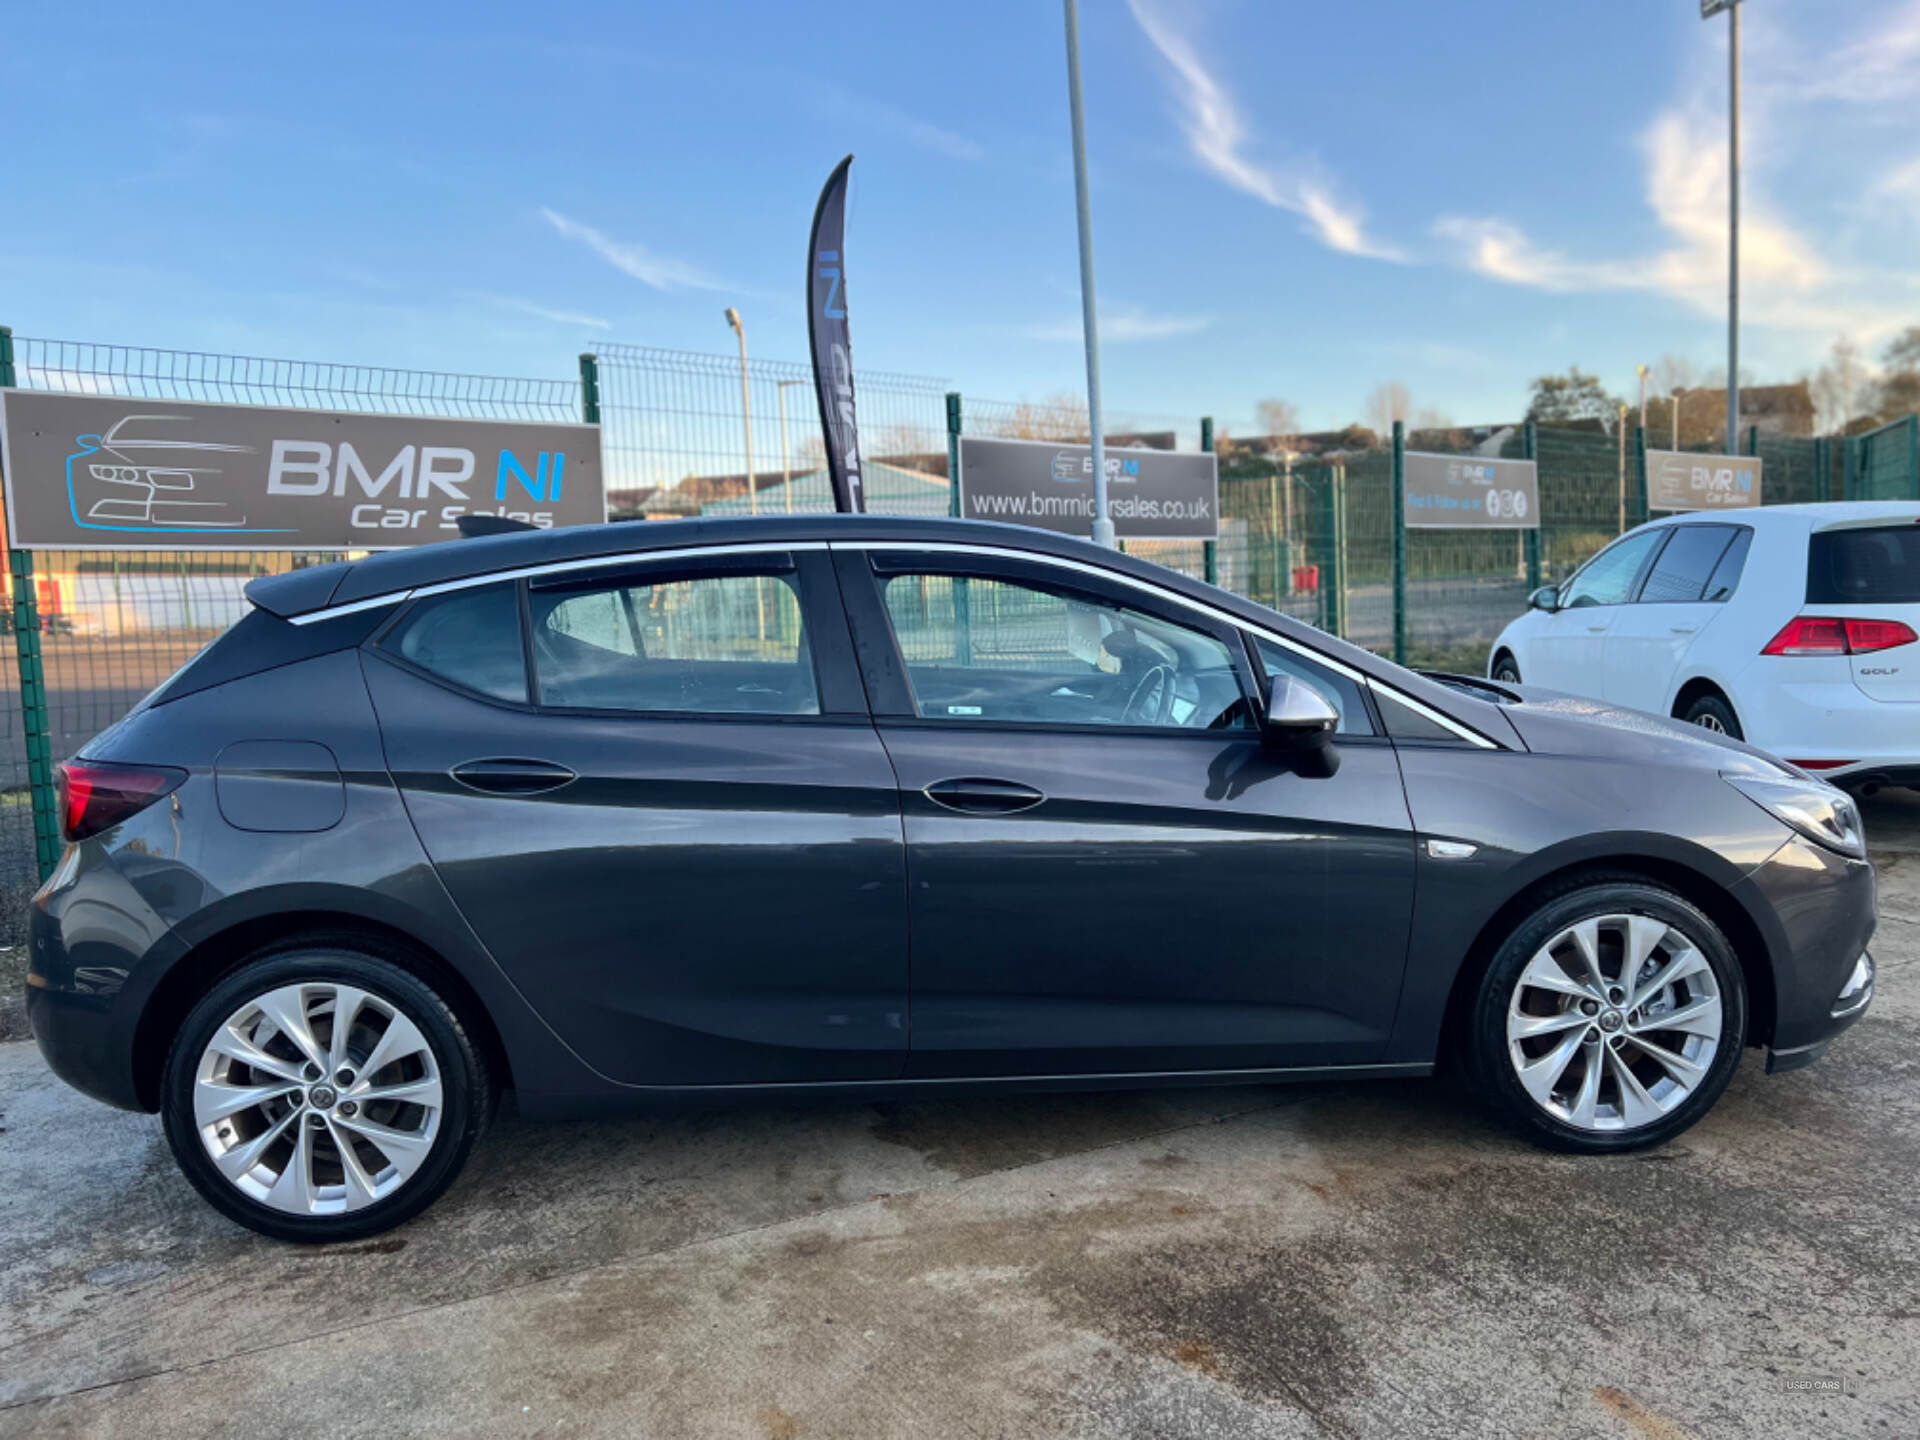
<point>1827,719</point>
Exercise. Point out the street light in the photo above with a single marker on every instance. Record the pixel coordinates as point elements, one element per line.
<point>1642,371</point>
<point>746,409</point>
<point>1677,393</point>
<point>786,462</point>
<point>1083,213</point>
<point>1708,9</point>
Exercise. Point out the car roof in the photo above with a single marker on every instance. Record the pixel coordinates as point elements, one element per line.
<point>1816,515</point>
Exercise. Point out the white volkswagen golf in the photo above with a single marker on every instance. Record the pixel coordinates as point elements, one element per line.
<point>1792,627</point>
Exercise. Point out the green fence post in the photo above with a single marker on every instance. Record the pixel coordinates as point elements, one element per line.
<point>590,388</point>
<point>34,721</point>
<point>1913,455</point>
<point>1753,440</point>
<point>953,453</point>
<point>1399,520</point>
<point>1209,549</point>
<point>1530,450</point>
<point>1640,511</point>
<point>1333,552</point>
<point>1849,463</point>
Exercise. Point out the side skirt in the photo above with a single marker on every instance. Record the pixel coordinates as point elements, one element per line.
<point>552,1105</point>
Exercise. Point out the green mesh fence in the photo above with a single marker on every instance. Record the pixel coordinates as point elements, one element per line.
<point>1884,464</point>
<point>114,624</point>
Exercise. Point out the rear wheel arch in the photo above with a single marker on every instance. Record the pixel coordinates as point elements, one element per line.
<point>1743,934</point>
<point>217,956</point>
<point>1503,653</point>
<point>1696,688</point>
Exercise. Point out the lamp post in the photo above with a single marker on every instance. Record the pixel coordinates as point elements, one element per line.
<point>786,460</point>
<point>746,409</point>
<point>1708,9</point>
<point>1102,521</point>
<point>1677,393</point>
<point>1642,371</point>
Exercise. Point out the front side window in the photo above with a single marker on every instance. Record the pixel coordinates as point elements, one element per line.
<point>1608,578</point>
<point>471,637</point>
<point>1685,565</point>
<point>717,644</point>
<point>978,649</point>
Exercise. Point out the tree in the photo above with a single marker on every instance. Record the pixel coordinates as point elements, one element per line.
<point>1280,422</point>
<point>1388,403</point>
<point>1062,417</point>
<point>1898,391</point>
<point>1576,395</point>
<point>1840,387</point>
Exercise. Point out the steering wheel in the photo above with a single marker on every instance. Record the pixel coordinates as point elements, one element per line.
<point>1151,702</point>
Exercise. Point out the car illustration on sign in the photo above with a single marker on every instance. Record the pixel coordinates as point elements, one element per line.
<point>140,475</point>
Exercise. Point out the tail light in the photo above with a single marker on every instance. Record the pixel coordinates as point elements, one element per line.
<point>1833,635</point>
<point>94,796</point>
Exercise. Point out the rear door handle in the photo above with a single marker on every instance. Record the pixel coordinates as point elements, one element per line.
<point>1596,629</point>
<point>1683,629</point>
<point>512,777</point>
<point>975,796</point>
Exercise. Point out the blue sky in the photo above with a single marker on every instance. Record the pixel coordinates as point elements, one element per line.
<point>1290,199</point>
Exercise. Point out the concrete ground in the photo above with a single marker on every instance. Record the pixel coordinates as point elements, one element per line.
<point>1377,1260</point>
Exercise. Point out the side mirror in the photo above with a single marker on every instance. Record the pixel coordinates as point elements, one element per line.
<point>1301,722</point>
<point>1547,598</point>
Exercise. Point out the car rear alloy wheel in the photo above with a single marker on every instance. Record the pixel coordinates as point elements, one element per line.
<point>1713,714</point>
<point>1612,1017</point>
<point>318,1099</point>
<point>322,1094</point>
<point>1614,1022</point>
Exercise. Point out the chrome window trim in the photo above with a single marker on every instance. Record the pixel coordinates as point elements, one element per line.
<point>1465,732</point>
<point>944,547</point>
<point>561,567</point>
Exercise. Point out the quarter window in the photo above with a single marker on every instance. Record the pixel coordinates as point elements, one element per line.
<point>1726,575</point>
<point>988,649</point>
<point>471,637</point>
<point>721,644</point>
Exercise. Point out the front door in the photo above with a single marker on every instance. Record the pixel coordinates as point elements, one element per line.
<point>1569,653</point>
<point>675,830</point>
<point>1108,870</point>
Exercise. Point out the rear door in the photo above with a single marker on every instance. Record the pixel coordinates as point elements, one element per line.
<point>1649,639</point>
<point>1872,573</point>
<point>1568,652</point>
<point>676,829</point>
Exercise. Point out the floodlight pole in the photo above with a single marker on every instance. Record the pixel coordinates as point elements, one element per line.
<point>1732,7</point>
<point>1102,521</point>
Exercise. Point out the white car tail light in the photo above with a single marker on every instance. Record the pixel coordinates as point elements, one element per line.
<point>1835,635</point>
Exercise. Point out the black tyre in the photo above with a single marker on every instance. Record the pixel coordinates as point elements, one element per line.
<point>1505,669</point>
<point>1711,712</point>
<point>1611,1019</point>
<point>320,1093</point>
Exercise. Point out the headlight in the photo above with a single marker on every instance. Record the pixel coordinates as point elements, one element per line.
<point>1817,810</point>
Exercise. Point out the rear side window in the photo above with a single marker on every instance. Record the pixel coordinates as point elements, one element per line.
<point>1726,575</point>
<point>1880,566</point>
<point>715,644</point>
<point>471,637</point>
<point>1681,572</point>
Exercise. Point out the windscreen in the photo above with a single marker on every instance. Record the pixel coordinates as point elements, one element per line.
<point>1878,566</point>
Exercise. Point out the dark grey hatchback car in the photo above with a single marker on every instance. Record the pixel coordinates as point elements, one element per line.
<point>631,814</point>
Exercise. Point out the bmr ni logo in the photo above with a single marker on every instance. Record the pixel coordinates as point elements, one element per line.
<point>430,473</point>
<point>1072,469</point>
<point>1721,480</point>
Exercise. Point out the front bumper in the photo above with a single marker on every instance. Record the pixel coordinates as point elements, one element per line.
<point>1816,913</point>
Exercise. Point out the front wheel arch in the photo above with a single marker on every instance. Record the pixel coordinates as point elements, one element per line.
<point>1749,945</point>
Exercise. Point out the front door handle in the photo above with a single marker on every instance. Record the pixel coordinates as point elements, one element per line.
<point>975,796</point>
<point>512,777</point>
<point>1683,629</point>
<point>1596,629</point>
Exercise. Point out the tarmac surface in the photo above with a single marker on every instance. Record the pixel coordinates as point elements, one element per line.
<point>1342,1260</point>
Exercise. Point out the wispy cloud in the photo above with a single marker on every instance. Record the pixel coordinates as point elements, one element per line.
<point>844,105</point>
<point>1218,137</point>
<point>544,312</point>
<point>1123,323</point>
<point>659,271</point>
<point>1786,279</point>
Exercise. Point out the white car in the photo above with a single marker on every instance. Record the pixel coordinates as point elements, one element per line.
<point>1792,627</point>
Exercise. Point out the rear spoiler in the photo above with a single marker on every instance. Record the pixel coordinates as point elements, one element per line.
<point>296,592</point>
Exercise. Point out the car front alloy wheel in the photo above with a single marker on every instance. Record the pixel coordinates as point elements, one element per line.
<point>1612,1018</point>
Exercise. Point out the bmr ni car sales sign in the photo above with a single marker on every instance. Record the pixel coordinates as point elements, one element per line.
<point>1678,480</point>
<point>87,472</point>
<point>1471,492</point>
<point>1151,494</point>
